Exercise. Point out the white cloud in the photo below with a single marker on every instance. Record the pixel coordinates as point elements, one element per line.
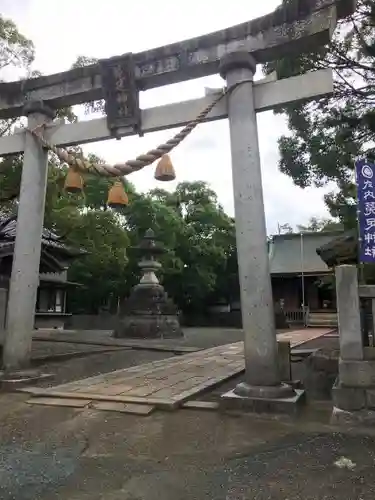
<point>61,31</point>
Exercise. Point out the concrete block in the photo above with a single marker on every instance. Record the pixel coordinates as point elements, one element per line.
<point>364,418</point>
<point>351,346</point>
<point>369,353</point>
<point>370,398</point>
<point>357,373</point>
<point>321,370</point>
<point>348,398</point>
<point>285,367</point>
<point>324,360</point>
<point>232,402</point>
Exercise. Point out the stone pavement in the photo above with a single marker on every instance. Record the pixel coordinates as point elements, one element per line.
<point>166,383</point>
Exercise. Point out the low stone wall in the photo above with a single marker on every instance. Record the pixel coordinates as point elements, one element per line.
<point>230,319</point>
<point>321,370</point>
<point>106,321</point>
<point>91,322</point>
<point>50,321</point>
<point>109,321</point>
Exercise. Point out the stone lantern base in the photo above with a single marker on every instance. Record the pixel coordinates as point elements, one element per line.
<point>149,314</point>
<point>148,327</point>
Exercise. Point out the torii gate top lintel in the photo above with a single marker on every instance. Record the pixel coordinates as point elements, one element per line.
<point>297,27</point>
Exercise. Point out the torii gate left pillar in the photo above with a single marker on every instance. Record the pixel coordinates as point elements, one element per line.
<point>25,270</point>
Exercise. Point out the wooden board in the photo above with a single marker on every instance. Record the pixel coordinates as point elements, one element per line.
<point>123,407</point>
<point>73,403</point>
<point>165,404</point>
<point>201,405</point>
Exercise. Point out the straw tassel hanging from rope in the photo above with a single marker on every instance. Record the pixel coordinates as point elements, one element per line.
<point>117,197</point>
<point>73,181</point>
<point>164,170</point>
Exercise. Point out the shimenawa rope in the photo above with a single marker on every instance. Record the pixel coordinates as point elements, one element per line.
<point>121,169</point>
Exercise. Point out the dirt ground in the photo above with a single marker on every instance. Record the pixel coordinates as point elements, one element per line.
<point>51,453</point>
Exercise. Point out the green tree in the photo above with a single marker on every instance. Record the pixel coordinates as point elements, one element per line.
<point>320,225</point>
<point>205,247</point>
<point>16,56</point>
<point>16,51</point>
<point>85,222</point>
<point>285,228</point>
<point>103,271</point>
<point>327,136</point>
<point>198,236</point>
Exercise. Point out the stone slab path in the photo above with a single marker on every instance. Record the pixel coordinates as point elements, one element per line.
<point>167,383</point>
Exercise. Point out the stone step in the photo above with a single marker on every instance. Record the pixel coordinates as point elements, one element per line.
<point>322,319</point>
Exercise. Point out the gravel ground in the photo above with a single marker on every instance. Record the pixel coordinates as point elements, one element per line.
<point>49,453</point>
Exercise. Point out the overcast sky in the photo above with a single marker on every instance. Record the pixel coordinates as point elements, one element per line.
<point>63,30</point>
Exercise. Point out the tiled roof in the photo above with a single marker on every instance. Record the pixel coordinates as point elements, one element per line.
<point>8,231</point>
<point>8,228</point>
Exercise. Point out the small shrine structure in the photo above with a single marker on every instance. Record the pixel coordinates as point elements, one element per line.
<point>56,256</point>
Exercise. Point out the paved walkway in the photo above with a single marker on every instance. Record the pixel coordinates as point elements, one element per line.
<point>167,383</point>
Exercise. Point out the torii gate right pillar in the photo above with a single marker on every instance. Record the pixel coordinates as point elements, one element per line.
<point>263,384</point>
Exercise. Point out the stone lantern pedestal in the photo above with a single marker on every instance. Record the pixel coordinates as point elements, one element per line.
<point>149,313</point>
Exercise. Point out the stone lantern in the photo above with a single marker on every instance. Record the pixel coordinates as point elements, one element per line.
<point>148,312</point>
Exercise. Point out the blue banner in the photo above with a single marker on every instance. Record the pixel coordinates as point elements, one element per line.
<point>365,175</point>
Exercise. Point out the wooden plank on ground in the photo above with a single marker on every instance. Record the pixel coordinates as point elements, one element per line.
<point>201,405</point>
<point>299,337</point>
<point>135,409</point>
<point>165,404</point>
<point>72,403</point>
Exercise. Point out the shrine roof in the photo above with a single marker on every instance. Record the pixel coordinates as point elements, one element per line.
<point>50,240</point>
<point>341,250</point>
<point>289,255</point>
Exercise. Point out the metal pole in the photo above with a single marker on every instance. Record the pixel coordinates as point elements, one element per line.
<point>303,280</point>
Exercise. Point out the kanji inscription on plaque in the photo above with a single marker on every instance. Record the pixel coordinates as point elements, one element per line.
<point>120,93</point>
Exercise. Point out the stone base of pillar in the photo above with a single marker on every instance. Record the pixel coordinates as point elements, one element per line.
<point>276,399</point>
<point>355,404</point>
<point>12,380</point>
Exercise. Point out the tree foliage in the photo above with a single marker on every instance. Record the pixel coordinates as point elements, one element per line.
<point>16,55</point>
<point>316,225</point>
<point>326,136</point>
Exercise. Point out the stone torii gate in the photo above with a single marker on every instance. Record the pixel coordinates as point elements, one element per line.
<point>234,53</point>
